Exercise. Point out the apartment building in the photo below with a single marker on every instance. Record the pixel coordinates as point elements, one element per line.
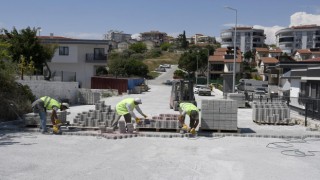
<point>200,39</point>
<point>298,37</point>
<point>155,36</point>
<point>247,38</point>
<point>79,57</point>
<point>117,36</point>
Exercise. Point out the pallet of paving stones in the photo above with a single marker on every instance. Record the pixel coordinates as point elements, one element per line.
<point>161,122</point>
<point>275,113</point>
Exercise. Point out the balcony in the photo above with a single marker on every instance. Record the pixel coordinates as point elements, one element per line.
<point>96,58</point>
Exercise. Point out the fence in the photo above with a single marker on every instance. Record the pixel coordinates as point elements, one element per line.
<point>62,76</point>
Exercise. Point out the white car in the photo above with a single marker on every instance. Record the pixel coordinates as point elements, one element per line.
<point>196,89</point>
<point>204,91</point>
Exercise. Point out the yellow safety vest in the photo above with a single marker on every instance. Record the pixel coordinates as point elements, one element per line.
<point>49,102</point>
<point>121,107</point>
<point>188,107</point>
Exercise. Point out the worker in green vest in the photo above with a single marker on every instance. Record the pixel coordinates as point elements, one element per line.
<point>125,108</point>
<point>193,112</point>
<point>45,103</point>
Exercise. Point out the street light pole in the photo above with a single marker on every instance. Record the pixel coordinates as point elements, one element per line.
<point>234,48</point>
<point>197,70</point>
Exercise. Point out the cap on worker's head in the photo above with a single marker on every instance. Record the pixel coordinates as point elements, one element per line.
<point>137,100</point>
<point>65,105</point>
<point>194,114</point>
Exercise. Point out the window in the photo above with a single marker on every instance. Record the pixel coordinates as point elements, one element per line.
<point>230,67</point>
<point>63,50</point>
<point>99,53</point>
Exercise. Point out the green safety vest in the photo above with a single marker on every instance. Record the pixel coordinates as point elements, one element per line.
<point>188,107</point>
<point>121,107</point>
<point>49,102</point>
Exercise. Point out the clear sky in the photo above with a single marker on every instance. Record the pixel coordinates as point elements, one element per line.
<point>90,19</point>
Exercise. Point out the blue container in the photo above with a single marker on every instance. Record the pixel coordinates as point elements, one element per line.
<point>133,82</point>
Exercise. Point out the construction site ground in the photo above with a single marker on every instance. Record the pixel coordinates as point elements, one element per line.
<point>256,152</point>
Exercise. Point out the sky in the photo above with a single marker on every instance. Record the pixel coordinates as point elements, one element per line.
<point>91,19</point>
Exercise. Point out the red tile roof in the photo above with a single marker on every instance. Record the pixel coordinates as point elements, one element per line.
<point>312,60</point>
<point>262,49</point>
<point>305,26</point>
<point>277,50</point>
<point>304,51</point>
<point>269,60</point>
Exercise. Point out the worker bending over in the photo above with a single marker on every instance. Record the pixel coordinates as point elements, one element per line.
<point>47,103</point>
<point>125,108</point>
<point>193,112</point>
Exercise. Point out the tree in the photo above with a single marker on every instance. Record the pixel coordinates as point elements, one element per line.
<point>14,97</point>
<point>138,47</point>
<point>188,62</point>
<point>165,46</point>
<point>248,56</point>
<point>24,43</point>
<point>182,40</point>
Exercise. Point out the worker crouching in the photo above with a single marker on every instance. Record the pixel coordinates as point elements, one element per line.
<point>125,108</point>
<point>193,112</point>
<point>45,103</point>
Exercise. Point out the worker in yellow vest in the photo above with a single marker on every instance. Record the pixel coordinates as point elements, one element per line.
<point>125,108</point>
<point>45,103</point>
<point>193,112</point>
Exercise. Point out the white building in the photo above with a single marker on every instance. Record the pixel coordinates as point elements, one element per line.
<point>117,36</point>
<point>298,37</point>
<point>247,38</point>
<point>77,59</point>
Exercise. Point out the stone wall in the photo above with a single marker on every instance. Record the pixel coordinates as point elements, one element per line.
<point>57,90</point>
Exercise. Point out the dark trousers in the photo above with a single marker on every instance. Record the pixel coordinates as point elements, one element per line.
<point>127,118</point>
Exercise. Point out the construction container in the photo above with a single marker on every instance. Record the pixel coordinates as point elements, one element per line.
<point>123,85</point>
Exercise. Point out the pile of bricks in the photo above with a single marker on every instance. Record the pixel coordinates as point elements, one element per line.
<point>271,113</point>
<point>86,96</point>
<point>240,98</point>
<point>101,116</point>
<point>33,119</point>
<point>163,121</point>
<point>219,115</point>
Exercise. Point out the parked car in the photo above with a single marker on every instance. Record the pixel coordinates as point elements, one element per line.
<point>196,89</point>
<point>167,82</point>
<point>166,65</point>
<point>204,91</point>
<point>161,69</point>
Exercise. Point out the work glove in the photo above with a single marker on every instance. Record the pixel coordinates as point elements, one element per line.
<point>138,120</point>
<point>193,131</point>
<point>57,122</point>
<point>184,127</point>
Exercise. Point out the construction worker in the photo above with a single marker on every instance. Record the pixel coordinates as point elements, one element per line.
<point>193,112</point>
<point>45,103</point>
<point>125,108</point>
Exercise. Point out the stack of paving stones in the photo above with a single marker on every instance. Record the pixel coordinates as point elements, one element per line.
<point>219,115</point>
<point>271,113</point>
<point>101,117</point>
<point>163,121</point>
<point>240,98</point>
<point>33,119</point>
<point>86,96</point>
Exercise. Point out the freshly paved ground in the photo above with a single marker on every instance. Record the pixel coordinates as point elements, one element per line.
<point>31,155</point>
